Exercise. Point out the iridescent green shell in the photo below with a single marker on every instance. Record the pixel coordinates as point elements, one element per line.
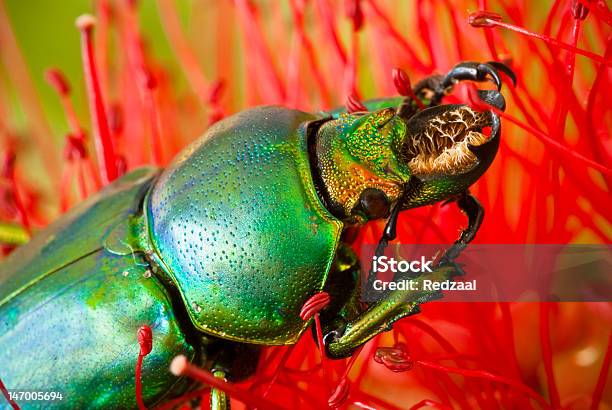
<point>236,223</point>
<point>70,310</point>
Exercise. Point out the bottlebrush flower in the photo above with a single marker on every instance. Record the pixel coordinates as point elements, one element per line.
<point>550,182</point>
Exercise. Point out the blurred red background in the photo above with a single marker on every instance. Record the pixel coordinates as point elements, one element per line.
<point>160,88</point>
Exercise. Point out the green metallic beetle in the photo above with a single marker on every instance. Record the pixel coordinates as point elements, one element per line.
<point>219,252</point>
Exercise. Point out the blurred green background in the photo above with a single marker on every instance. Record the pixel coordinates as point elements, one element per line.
<point>47,37</point>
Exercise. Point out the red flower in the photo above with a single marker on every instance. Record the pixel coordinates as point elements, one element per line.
<point>549,184</point>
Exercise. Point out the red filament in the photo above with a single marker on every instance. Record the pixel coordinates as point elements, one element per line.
<point>603,374</point>
<point>181,367</point>
<point>145,340</point>
<point>312,307</point>
<point>103,141</point>
<point>354,105</point>
<point>403,86</point>
<point>486,19</point>
<point>6,394</point>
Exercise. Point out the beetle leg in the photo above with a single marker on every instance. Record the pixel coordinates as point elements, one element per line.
<point>389,234</point>
<point>218,399</point>
<point>228,360</point>
<point>380,315</point>
<point>343,287</point>
<point>475,213</point>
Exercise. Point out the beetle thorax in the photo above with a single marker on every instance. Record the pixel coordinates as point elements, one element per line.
<point>359,152</point>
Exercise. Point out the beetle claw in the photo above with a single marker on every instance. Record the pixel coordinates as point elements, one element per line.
<point>484,70</point>
<point>504,69</point>
<point>474,71</point>
<point>494,98</point>
<point>471,71</point>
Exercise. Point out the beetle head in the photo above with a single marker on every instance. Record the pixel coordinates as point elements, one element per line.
<point>369,161</point>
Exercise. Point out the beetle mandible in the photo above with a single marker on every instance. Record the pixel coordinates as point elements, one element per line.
<point>218,252</point>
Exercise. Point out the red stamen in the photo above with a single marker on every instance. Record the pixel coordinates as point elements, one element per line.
<point>448,347</point>
<point>247,12</point>
<point>298,18</point>
<point>7,169</point>
<point>488,19</point>
<point>429,403</point>
<point>393,33</point>
<point>353,104</point>
<point>75,149</point>
<point>146,82</point>
<point>180,366</point>
<point>216,91</point>
<point>599,9</point>
<point>478,104</point>
<point>483,18</point>
<point>57,80</point>
<point>547,354</point>
<point>314,305</point>
<point>103,142</point>
<point>369,351</point>
<point>603,374</point>
<point>145,340</point>
<point>116,121</point>
<point>351,362</point>
<point>311,308</point>
<point>403,86</point>
<point>340,394</point>
<point>396,359</point>
<point>65,194</point>
<point>105,15</point>
<point>17,72</point>
<point>81,183</point>
<point>330,29</point>
<point>182,50</point>
<point>483,374</point>
<point>6,394</point>
<point>579,10</point>
<point>354,13</point>
<point>278,370</point>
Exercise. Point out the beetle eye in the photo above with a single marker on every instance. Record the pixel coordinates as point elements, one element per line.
<point>374,203</point>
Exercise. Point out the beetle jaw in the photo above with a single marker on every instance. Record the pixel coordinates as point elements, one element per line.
<point>449,142</point>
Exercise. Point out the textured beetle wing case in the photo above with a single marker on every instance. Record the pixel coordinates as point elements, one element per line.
<point>246,239</point>
<point>66,293</point>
